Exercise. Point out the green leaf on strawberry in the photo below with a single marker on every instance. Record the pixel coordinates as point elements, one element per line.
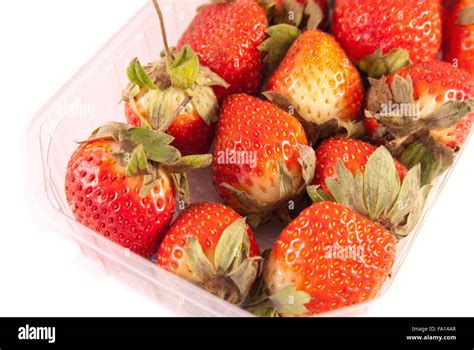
<point>138,163</point>
<point>377,65</point>
<point>185,68</point>
<point>378,194</point>
<point>138,76</point>
<point>280,38</point>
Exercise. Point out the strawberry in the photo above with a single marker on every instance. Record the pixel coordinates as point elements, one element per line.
<point>353,153</point>
<point>262,157</point>
<point>211,245</point>
<point>327,258</point>
<point>122,183</point>
<point>318,79</point>
<point>339,254</point>
<point>174,95</point>
<point>225,36</point>
<point>460,37</point>
<point>423,92</point>
<point>380,34</point>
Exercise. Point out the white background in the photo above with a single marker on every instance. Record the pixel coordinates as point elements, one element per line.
<point>43,43</point>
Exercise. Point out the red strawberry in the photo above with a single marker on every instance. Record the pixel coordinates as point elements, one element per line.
<point>120,183</point>
<point>225,37</point>
<point>174,95</point>
<point>353,153</point>
<point>459,38</point>
<point>431,85</point>
<point>337,255</point>
<point>262,157</point>
<point>210,245</point>
<point>318,79</point>
<point>327,258</point>
<point>364,26</point>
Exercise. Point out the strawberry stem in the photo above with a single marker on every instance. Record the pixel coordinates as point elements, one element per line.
<point>169,58</point>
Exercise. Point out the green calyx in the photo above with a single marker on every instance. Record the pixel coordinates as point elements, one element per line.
<point>433,157</point>
<point>377,65</point>
<point>378,194</point>
<point>280,38</point>
<point>144,151</point>
<point>139,76</point>
<point>290,301</point>
<point>184,69</point>
<point>317,195</point>
<point>466,17</point>
<point>233,272</point>
<point>307,15</point>
<point>163,84</point>
<point>286,22</point>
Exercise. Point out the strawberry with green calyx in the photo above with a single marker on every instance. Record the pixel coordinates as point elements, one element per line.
<point>430,103</point>
<point>354,154</point>
<point>211,245</point>
<point>459,38</point>
<point>122,181</point>
<point>225,35</point>
<point>378,193</point>
<point>174,95</point>
<point>319,80</point>
<point>262,157</point>
<point>379,34</point>
<point>327,258</point>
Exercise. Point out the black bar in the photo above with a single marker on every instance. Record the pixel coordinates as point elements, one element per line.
<point>359,332</point>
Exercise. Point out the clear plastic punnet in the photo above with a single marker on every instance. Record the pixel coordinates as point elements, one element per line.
<point>91,98</point>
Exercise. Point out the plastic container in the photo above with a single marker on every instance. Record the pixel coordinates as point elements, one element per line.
<point>91,99</point>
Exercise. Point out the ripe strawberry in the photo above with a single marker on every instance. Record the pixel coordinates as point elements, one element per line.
<point>328,258</point>
<point>174,95</point>
<point>353,153</point>
<point>319,80</point>
<point>459,38</point>
<point>225,36</point>
<point>210,245</point>
<point>339,254</point>
<point>430,86</point>
<point>363,27</point>
<point>122,184</point>
<point>262,157</point>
